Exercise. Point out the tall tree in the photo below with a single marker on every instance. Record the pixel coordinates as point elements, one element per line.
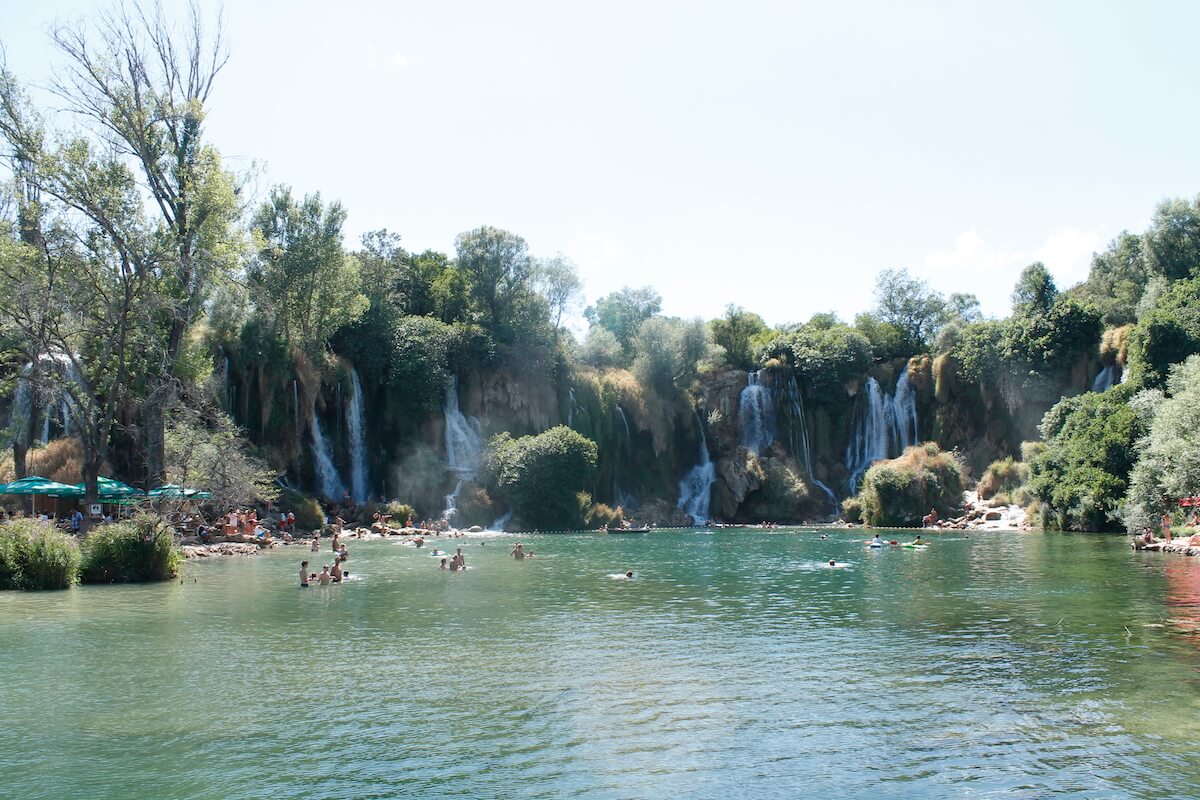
<point>1035,291</point>
<point>910,305</point>
<point>310,285</point>
<point>737,332</point>
<point>1172,243</point>
<point>499,269</point>
<point>558,281</point>
<point>623,313</point>
<point>143,86</point>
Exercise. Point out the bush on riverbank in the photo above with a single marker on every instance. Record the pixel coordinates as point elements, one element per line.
<point>309,516</point>
<point>1002,477</point>
<point>137,551</point>
<point>899,492</point>
<point>36,555</point>
<point>541,477</point>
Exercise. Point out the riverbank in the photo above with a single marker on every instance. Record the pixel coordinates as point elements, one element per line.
<point>1184,546</point>
<point>982,515</point>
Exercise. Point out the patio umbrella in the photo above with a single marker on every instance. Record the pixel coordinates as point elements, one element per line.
<point>175,491</point>
<point>109,489</point>
<point>35,485</point>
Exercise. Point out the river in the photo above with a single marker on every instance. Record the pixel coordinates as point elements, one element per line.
<point>735,664</point>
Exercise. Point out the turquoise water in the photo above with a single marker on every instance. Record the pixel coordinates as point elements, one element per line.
<point>735,665</point>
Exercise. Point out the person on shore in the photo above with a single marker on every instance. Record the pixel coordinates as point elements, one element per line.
<point>518,552</point>
<point>325,577</point>
<point>1166,527</point>
<point>930,519</point>
<point>336,573</point>
<point>303,574</point>
<point>76,521</point>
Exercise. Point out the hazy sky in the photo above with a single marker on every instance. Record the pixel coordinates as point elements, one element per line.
<point>770,155</point>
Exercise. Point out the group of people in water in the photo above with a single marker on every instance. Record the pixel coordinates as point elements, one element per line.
<point>328,574</point>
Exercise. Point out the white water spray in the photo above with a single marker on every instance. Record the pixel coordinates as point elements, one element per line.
<point>756,414</point>
<point>328,480</point>
<point>463,444</point>
<point>695,490</point>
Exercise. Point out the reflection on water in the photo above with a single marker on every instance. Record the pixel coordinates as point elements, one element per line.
<point>733,665</point>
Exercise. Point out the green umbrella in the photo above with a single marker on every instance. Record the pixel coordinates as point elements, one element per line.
<point>175,491</point>
<point>109,489</point>
<point>34,484</point>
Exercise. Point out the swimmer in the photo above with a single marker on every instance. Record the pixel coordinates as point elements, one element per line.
<point>325,577</point>
<point>629,575</point>
<point>316,545</point>
<point>876,542</point>
<point>336,572</point>
<point>824,535</point>
<point>443,564</point>
<point>303,574</point>
<point>832,563</point>
<point>518,552</point>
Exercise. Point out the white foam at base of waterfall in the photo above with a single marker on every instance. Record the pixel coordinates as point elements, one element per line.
<point>463,444</point>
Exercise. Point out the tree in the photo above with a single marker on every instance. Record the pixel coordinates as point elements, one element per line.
<point>1172,243</point>
<point>827,358</point>
<point>558,281</point>
<point>205,449</point>
<point>964,307</point>
<point>1168,457</point>
<point>499,270</point>
<point>1035,291</point>
<point>1117,280</point>
<point>1081,476</point>
<point>623,313</point>
<point>737,332</point>
<point>311,288</point>
<point>909,304</point>
<point>143,88</point>
<point>1166,334</point>
<point>668,353</point>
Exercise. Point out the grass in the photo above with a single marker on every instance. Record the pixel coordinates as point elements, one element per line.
<point>36,555</point>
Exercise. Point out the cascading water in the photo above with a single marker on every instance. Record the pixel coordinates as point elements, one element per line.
<point>328,480</point>
<point>501,522</point>
<point>463,444</point>
<point>622,498</point>
<point>796,404</point>
<point>1107,378</point>
<point>356,427</point>
<point>904,411</point>
<point>50,389</point>
<point>756,414</point>
<point>883,425</point>
<point>695,490</point>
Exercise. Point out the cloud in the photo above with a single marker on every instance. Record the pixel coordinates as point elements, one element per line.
<point>972,265</point>
<point>394,60</point>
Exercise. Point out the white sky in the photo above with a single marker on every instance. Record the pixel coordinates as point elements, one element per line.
<point>770,155</point>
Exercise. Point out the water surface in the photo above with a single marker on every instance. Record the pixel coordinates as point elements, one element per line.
<point>735,664</point>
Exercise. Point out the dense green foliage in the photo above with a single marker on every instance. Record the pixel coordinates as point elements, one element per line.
<point>738,333</point>
<point>135,551</point>
<point>826,354</point>
<point>1166,334</point>
<point>1081,476</point>
<point>899,492</point>
<point>36,555</point>
<point>623,312</point>
<point>1168,457</point>
<point>1002,477</point>
<point>541,477</point>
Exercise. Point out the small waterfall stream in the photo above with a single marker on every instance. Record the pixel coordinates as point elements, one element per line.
<point>463,445</point>
<point>1107,378</point>
<point>624,446</point>
<point>756,414</point>
<point>356,426</point>
<point>695,490</point>
<point>49,391</point>
<point>796,405</point>
<point>328,480</point>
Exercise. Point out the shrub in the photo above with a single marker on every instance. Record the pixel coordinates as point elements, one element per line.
<point>36,555</point>
<point>899,492</point>
<point>139,550</point>
<point>852,509</point>
<point>1004,475</point>
<point>309,515</point>
<point>599,514</point>
<point>540,477</point>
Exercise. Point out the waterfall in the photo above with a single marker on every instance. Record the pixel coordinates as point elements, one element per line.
<point>883,425</point>
<point>296,404</point>
<point>796,405</point>
<point>620,497</point>
<point>49,390</point>
<point>328,480</point>
<point>756,414</point>
<point>904,411</point>
<point>695,490</point>
<point>571,408</point>
<point>356,427</point>
<point>1106,378</point>
<point>501,522</point>
<point>463,444</point>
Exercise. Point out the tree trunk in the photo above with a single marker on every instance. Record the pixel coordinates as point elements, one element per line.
<point>154,420</point>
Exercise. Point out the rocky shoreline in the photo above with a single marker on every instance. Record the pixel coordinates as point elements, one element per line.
<point>1185,546</point>
<point>982,515</point>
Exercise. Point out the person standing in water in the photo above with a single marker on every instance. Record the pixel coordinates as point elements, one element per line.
<point>518,552</point>
<point>303,574</point>
<point>324,578</point>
